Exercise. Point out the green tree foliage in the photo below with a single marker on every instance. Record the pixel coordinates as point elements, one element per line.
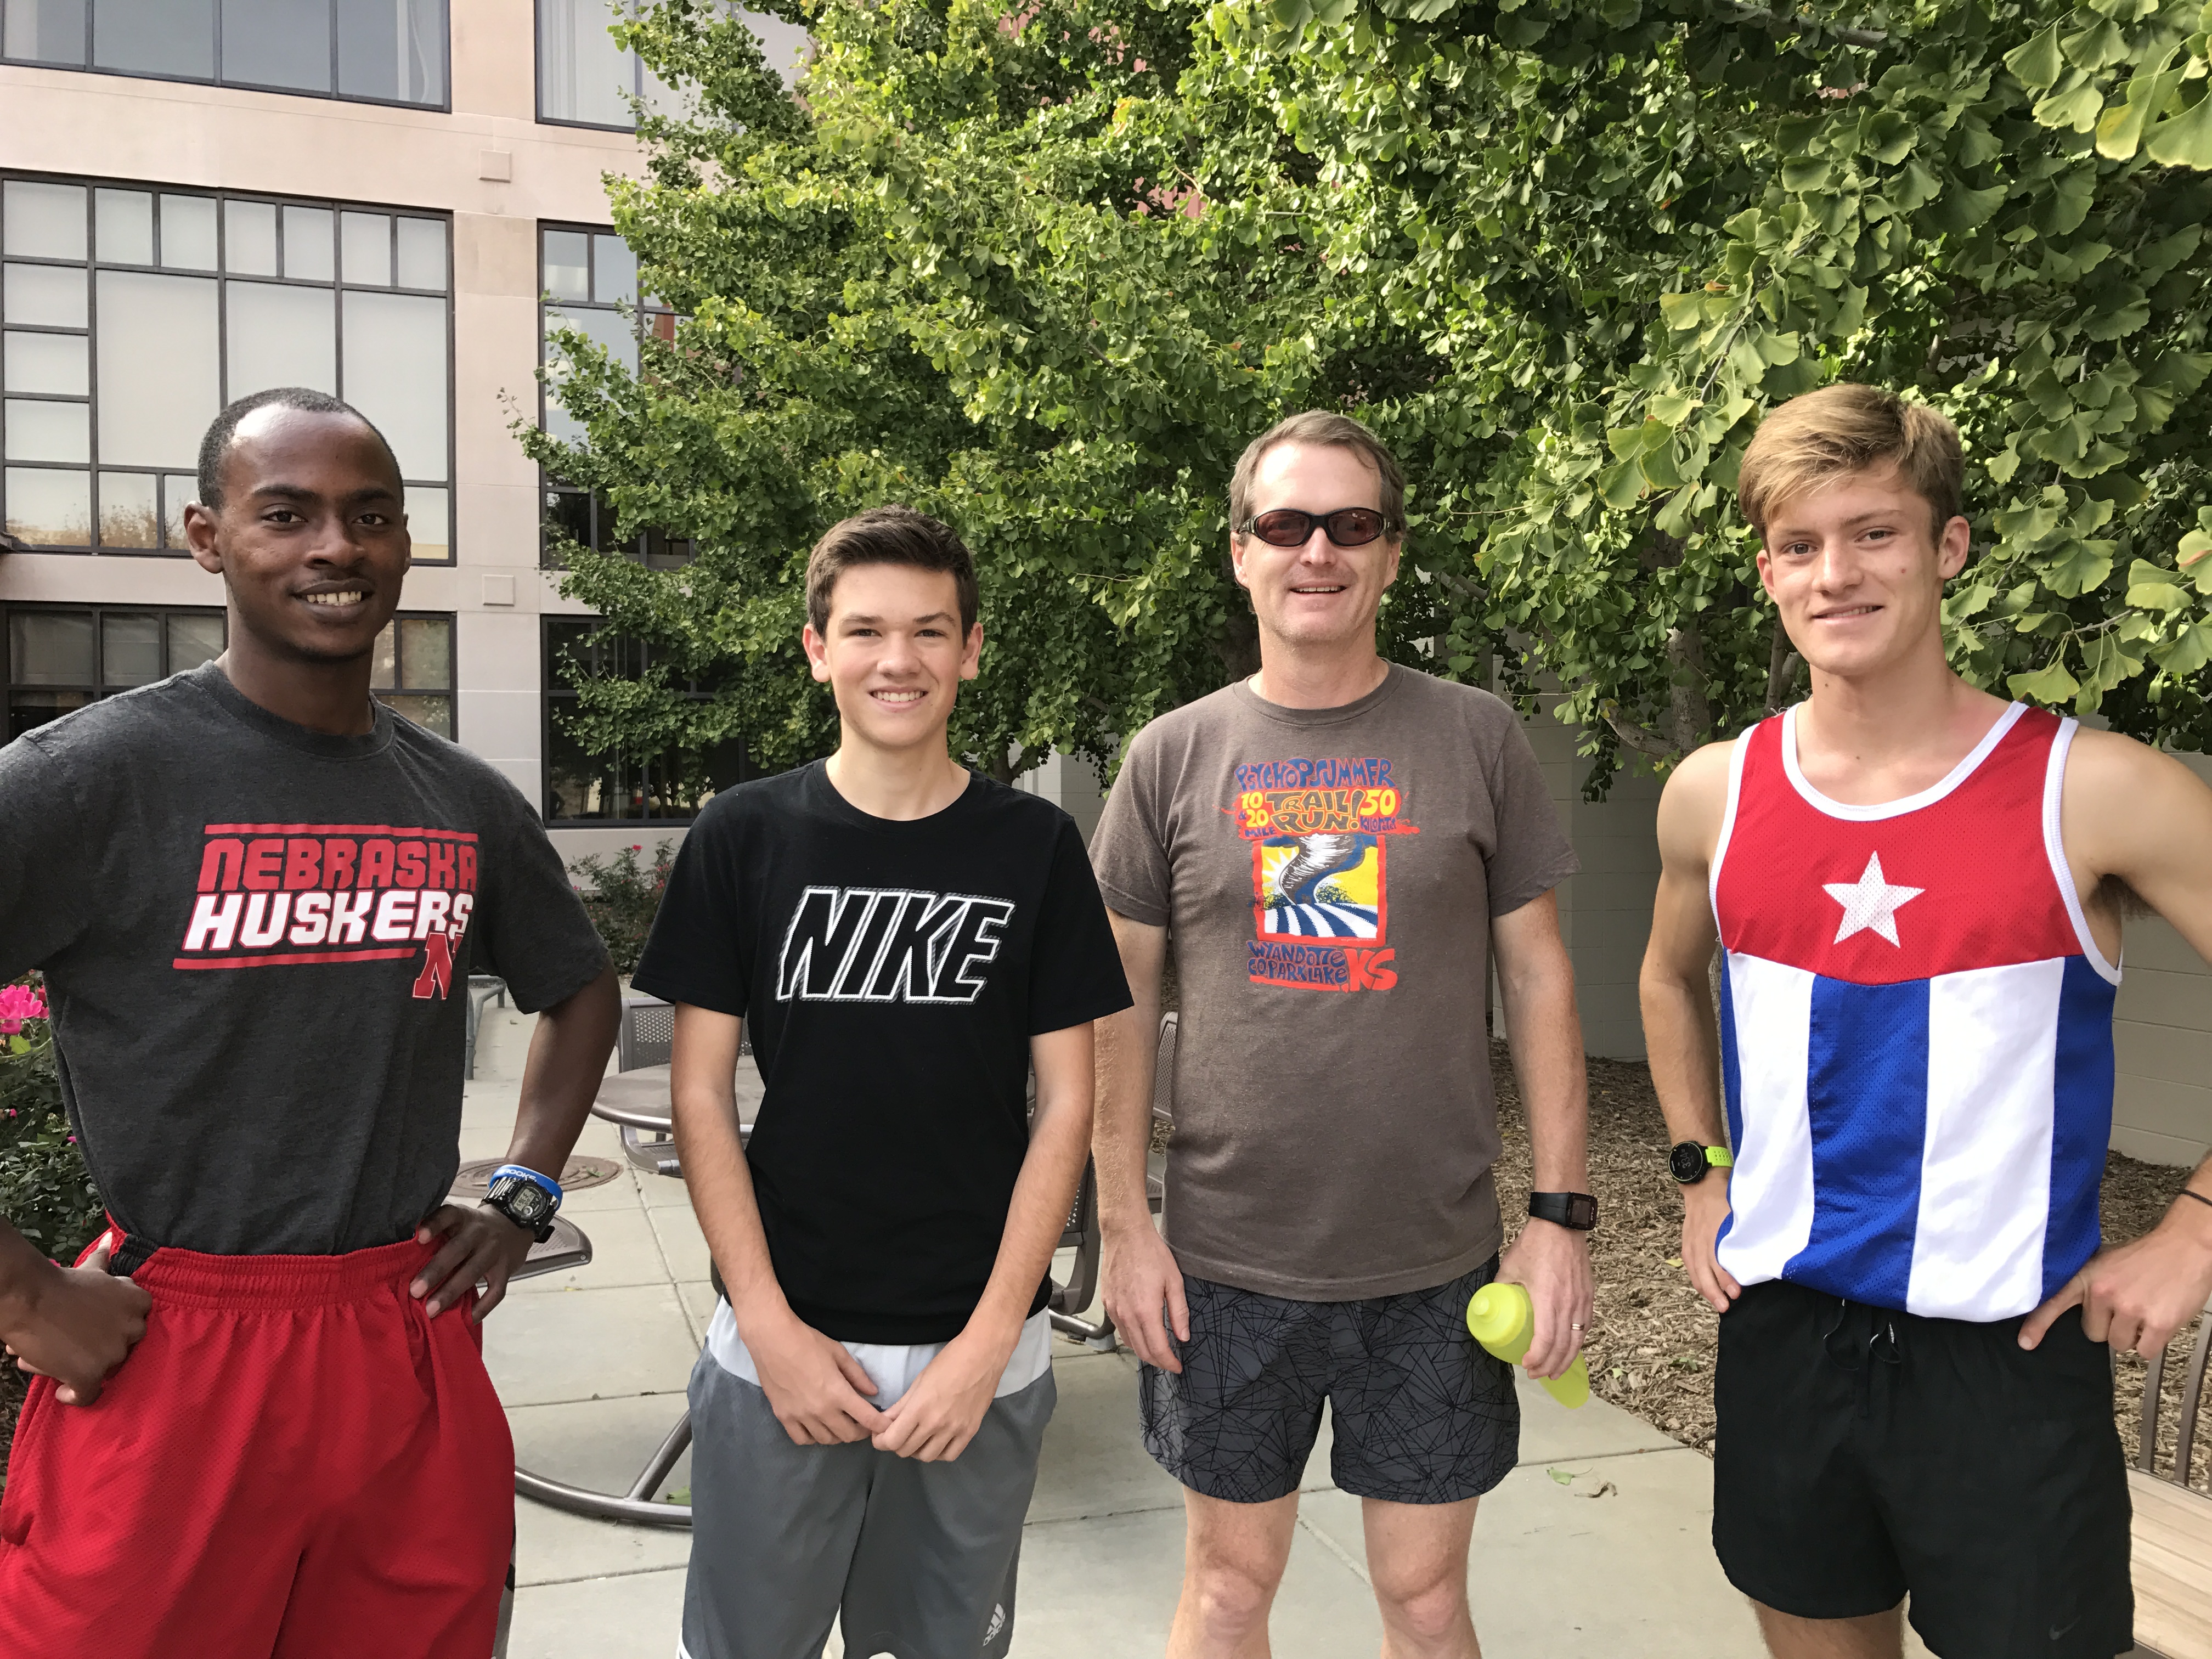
<point>1043,271</point>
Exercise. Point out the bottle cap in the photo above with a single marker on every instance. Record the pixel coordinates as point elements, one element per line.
<point>1498,1313</point>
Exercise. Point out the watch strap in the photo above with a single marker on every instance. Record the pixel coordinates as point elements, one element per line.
<point>552,1187</point>
<point>1720,1158</point>
<point>1576,1211</point>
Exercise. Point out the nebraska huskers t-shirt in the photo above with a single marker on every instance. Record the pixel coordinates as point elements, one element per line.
<point>256,939</point>
<point>892,974</point>
<point>1329,876</point>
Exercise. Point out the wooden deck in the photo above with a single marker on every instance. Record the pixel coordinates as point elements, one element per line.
<point>2173,1568</point>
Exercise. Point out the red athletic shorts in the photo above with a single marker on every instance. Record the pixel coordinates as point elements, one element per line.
<point>294,1463</point>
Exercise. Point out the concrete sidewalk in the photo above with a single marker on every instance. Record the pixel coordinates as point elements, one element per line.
<point>1596,1546</point>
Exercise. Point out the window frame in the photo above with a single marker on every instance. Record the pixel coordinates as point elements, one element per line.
<point>444,107</point>
<point>92,264</point>
<point>551,696</point>
<point>99,690</point>
<point>98,609</point>
<point>450,692</point>
<point>642,549</point>
<point>537,82</point>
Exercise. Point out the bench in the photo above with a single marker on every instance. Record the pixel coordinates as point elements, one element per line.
<point>2173,1523</point>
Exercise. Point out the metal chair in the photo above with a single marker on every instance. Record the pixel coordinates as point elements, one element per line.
<point>482,989</point>
<point>2173,1526</point>
<point>1083,1233</point>
<point>646,1035</point>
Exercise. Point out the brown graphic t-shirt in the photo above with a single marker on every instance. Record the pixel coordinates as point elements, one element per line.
<point>1328,876</point>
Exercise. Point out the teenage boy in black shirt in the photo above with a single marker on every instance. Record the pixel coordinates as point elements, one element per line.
<point>260,1426</point>
<point>908,939</point>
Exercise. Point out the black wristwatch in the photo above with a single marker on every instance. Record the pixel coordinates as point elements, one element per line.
<point>527,1199</point>
<point>1577,1211</point>
<point>1688,1160</point>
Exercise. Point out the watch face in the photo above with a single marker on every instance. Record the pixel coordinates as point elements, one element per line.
<point>1581,1211</point>
<point>1686,1163</point>
<point>525,1201</point>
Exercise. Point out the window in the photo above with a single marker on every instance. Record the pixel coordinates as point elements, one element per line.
<point>63,657</point>
<point>589,283</point>
<point>413,671</point>
<point>580,786</point>
<point>585,80</point>
<point>129,317</point>
<point>377,52</point>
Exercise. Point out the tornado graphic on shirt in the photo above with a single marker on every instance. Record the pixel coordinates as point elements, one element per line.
<point>1320,831</point>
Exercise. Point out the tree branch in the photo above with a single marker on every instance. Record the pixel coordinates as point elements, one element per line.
<point>1782,666</point>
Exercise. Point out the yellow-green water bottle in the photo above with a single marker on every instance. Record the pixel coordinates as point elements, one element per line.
<point>1502,1319</point>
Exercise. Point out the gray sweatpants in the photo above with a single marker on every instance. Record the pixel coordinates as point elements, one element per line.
<point>919,1559</point>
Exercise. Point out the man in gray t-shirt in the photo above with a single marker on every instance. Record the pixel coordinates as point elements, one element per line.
<point>1338,847</point>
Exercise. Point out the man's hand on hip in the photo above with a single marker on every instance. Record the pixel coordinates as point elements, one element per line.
<point>1552,1262</point>
<point>1143,1293</point>
<point>77,1325</point>
<point>481,1247</point>
<point>2136,1296</point>
<point>1705,1207</point>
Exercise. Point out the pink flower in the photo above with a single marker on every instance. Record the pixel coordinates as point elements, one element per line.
<point>17,1004</point>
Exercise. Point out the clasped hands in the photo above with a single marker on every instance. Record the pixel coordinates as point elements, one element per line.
<point>819,1392</point>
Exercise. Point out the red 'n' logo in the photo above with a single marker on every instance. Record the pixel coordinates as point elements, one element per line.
<point>437,967</point>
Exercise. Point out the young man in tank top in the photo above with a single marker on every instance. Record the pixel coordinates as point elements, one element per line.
<point>1919,888</point>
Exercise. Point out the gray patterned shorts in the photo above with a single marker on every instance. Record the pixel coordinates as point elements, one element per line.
<point>1421,1413</point>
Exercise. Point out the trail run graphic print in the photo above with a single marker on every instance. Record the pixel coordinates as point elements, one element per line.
<point>277,895</point>
<point>1320,833</point>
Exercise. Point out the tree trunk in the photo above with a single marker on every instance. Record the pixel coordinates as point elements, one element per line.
<point>1782,666</point>
<point>1237,645</point>
<point>1689,715</point>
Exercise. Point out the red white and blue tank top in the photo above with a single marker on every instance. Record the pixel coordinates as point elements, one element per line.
<point>1915,1030</point>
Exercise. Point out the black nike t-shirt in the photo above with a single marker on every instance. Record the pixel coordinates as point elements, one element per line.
<point>256,939</point>
<point>891,974</point>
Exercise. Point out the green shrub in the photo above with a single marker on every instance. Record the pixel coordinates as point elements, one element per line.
<point>44,1188</point>
<point>623,898</point>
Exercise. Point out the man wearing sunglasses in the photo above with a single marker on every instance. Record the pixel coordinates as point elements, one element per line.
<point>1336,845</point>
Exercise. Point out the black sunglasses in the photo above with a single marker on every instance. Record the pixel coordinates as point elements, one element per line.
<point>1286,526</point>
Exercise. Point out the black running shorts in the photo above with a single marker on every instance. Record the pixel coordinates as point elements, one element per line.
<point>1421,1414</point>
<point>1863,1454</point>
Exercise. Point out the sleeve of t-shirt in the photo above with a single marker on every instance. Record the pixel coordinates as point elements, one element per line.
<point>1128,850</point>
<point>47,853</point>
<point>1532,855</point>
<point>529,923</point>
<point>696,953</point>
<point>1075,968</point>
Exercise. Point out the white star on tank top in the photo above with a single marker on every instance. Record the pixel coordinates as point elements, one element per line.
<point>1871,903</point>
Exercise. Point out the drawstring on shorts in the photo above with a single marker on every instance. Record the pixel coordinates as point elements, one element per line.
<point>1876,1337</point>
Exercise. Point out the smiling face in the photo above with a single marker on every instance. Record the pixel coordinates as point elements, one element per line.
<point>311,538</point>
<point>1317,594</point>
<point>1857,570</point>
<point>893,654</point>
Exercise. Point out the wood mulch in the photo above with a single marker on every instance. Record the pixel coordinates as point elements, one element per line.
<point>1651,1346</point>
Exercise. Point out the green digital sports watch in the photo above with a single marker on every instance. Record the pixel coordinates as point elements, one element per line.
<point>1688,1161</point>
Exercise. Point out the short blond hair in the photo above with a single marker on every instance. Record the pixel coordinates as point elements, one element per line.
<point>1820,436</point>
<point>1325,429</point>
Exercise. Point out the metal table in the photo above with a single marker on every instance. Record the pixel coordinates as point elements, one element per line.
<point>638,1102</point>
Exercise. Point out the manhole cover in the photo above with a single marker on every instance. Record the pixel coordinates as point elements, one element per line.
<point>580,1172</point>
